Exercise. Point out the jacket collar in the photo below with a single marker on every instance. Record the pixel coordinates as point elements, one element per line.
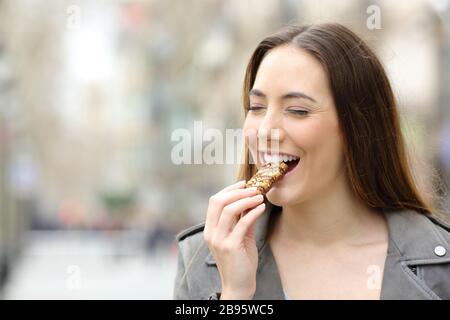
<point>412,241</point>
<point>413,238</point>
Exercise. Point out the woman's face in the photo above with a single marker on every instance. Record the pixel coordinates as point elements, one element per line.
<point>291,98</point>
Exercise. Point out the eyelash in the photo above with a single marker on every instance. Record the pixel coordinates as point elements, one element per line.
<point>300,112</point>
<point>297,112</point>
<point>255,108</point>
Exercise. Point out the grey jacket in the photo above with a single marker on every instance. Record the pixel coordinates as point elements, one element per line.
<point>417,264</point>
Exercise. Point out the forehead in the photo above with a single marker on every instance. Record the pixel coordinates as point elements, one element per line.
<point>288,68</point>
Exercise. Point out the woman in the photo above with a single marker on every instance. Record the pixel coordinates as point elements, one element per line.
<point>346,221</point>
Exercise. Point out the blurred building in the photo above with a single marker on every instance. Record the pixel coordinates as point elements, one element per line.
<point>90,92</point>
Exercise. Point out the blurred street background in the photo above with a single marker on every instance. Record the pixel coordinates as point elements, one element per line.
<point>90,92</point>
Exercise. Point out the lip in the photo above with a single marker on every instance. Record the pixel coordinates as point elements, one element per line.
<point>277,153</point>
<point>289,173</point>
<point>286,176</point>
<point>261,155</point>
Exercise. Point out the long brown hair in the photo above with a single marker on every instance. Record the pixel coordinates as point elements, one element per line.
<point>375,155</point>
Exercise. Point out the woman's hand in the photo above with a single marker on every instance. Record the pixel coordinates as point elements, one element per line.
<point>230,222</point>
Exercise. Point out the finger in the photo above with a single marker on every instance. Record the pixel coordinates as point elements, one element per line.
<point>232,196</point>
<point>232,212</point>
<point>237,185</point>
<point>219,201</point>
<point>246,224</point>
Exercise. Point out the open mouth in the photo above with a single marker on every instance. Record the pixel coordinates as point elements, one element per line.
<point>291,160</point>
<point>292,164</point>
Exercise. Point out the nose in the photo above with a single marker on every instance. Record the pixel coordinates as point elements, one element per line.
<point>270,131</point>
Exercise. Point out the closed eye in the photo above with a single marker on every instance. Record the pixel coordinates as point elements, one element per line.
<point>299,112</point>
<point>256,108</point>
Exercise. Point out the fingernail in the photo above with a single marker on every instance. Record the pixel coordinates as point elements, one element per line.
<point>259,197</point>
<point>252,189</point>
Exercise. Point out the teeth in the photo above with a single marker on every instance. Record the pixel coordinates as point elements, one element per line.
<point>277,158</point>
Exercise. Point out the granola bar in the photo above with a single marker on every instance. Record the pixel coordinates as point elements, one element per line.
<point>266,176</point>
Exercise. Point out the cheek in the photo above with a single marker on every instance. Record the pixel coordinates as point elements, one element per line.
<point>309,135</point>
<point>318,138</point>
<point>250,130</point>
<point>250,124</point>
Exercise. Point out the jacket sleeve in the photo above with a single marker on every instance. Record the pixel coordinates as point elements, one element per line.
<point>181,289</point>
<point>192,280</point>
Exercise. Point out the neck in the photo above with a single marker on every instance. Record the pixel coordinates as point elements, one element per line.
<point>334,217</point>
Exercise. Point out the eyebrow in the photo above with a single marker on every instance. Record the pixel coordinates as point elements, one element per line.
<point>289,95</point>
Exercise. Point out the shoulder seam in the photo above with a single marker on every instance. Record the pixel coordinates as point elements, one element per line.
<point>190,231</point>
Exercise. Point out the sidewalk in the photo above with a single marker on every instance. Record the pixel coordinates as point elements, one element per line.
<point>90,265</point>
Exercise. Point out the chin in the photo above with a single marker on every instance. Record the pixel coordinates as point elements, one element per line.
<point>281,197</point>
